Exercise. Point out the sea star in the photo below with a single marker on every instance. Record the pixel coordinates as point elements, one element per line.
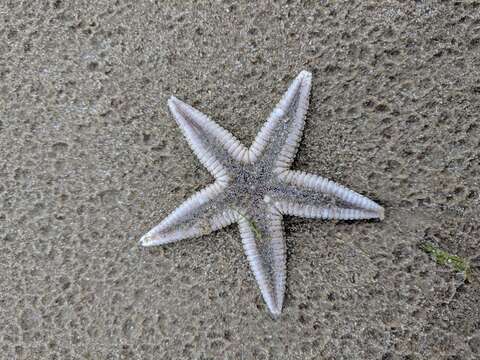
<point>255,187</point>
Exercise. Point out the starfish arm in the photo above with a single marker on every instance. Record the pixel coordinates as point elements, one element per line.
<point>199,215</point>
<point>213,145</point>
<point>264,244</point>
<point>312,196</point>
<point>280,135</point>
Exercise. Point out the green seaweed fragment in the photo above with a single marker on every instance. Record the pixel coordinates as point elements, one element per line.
<point>442,257</point>
<point>252,225</point>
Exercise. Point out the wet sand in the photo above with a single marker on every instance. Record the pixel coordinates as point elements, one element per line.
<point>91,160</point>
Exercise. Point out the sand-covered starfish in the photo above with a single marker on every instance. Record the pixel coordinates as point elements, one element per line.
<point>255,187</point>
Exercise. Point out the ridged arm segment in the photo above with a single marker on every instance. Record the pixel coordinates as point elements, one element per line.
<point>199,215</point>
<point>280,135</point>
<point>264,244</point>
<point>312,196</point>
<point>214,146</point>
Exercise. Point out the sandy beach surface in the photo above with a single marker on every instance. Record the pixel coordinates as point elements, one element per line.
<point>90,159</point>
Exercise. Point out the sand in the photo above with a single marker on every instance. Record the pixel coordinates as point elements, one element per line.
<point>91,160</point>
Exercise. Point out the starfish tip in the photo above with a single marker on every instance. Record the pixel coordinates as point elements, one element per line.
<point>381,213</point>
<point>146,240</point>
<point>276,312</point>
<point>172,101</point>
<point>305,73</point>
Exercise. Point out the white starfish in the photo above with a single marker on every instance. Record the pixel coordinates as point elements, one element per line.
<point>254,187</point>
